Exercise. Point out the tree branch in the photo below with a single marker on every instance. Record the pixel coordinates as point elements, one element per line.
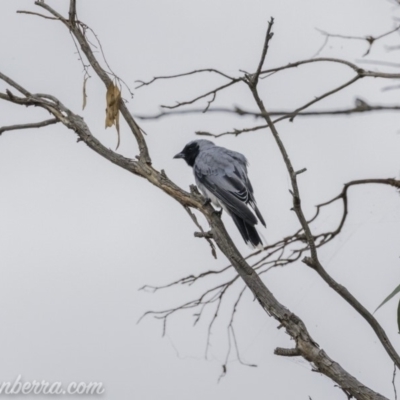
<point>37,14</point>
<point>76,31</point>
<point>358,109</point>
<point>206,235</point>
<point>339,88</point>
<point>268,37</point>
<point>369,39</point>
<point>313,261</point>
<point>356,68</point>
<point>14,84</point>
<point>156,78</point>
<point>72,11</point>
<point>28,126</point>
<point>211,92</point>
<point>279,351</point>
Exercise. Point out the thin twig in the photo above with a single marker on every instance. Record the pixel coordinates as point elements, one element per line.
<point>156,78</point>
<point>369,39</point>
<point>100,46</point>
<point>194,219</point>
<point>378,62</point>
<point>211,92</point>
<point>349,64</point>
<point>366,107</point>
<point>235,132</point>
<point>268,37</point>
<point>28,126</point>
<point>327,94</point>
<point>296,64</point>
<point>318,52</point>
<point>37,14</point>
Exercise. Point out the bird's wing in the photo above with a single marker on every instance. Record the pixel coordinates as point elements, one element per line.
<point>225,176</point>
<point>241,164</point>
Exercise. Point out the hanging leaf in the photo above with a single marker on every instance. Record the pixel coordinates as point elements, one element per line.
<point>113,98</point>
<point>395,291</point>
<point>84,93</point>
<point>398,316</point>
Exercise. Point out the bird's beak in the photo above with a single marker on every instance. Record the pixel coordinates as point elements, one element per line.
<point>180,155</point>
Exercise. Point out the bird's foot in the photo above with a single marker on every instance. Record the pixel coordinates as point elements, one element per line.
<point>206,202</point>
<point>218,213</point>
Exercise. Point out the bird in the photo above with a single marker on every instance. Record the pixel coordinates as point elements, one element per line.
<point>221,175</point>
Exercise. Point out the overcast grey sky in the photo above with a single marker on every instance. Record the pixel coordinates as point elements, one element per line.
<point>79,236</point>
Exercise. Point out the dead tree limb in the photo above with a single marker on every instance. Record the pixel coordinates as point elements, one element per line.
<point>313,261</point>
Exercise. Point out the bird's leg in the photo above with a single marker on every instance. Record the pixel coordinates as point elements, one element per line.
<point>217,213</point>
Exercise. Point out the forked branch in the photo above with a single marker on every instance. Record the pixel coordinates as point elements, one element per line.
<point>313,261</point>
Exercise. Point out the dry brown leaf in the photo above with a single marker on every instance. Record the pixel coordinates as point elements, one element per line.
<point>84,93</point>
<point>113,98</point>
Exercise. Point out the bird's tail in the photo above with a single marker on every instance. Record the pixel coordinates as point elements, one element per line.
<point>249,232</point>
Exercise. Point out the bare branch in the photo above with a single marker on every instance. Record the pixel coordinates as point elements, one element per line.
<point>394,87</point>
<point>279,262</point>
<point>212,92</point>
<point>237,351</point>
<point>280,247</point>
<point>187,280</point>
<point>279,351</point>
<point>358,109</point>
<point>354,67</point>
<point>323,238</point>
<point>37,14</point>
<point>14,84</point>
<point>207,237</point>
<point>313,261</point>
<point>197,71</point>
<point>80,58</point>
<point>378,62</point>
<point>268,37</point>
<point>369,39</point>
<point>339,88</point>
<point>209,102</point>
<point>214,317</point>
<point>72,11</point>
<point>102,74</point>
<point>340,36</point>
<point>235,132</point>
<point>100,46</point>
<point>313,60</point>
<point>392,48</point>
<point>211,296</point>
<point>28,126</point>
<point>321,48</point>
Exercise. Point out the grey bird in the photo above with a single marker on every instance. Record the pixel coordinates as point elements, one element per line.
<point>221,175</point>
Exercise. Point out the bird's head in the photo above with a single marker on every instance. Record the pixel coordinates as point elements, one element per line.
<point>192,150</point>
